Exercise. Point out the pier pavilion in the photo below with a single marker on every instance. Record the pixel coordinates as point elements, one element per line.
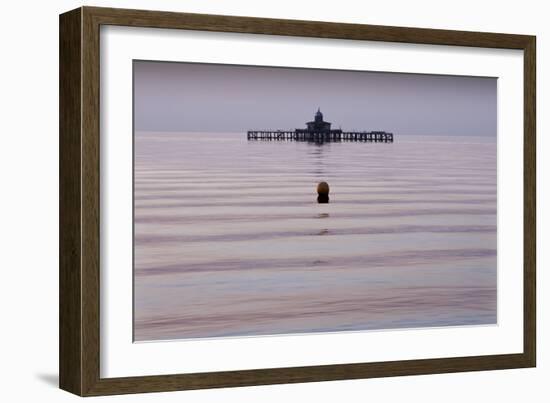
<point>318,124</point>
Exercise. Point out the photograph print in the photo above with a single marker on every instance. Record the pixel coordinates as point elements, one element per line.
<point>277,201</point>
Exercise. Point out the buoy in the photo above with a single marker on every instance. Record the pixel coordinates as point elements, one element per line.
<point>322,190</point>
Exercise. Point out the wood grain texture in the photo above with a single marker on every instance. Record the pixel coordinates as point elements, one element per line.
<point>80,196</point>
<point>530,203</point>
<point>90,201</point>
<point>317,29</point>
<point>70,271</point>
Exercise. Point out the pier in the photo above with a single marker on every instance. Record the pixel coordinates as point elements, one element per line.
<point>319,131</point>
<point>320,137</point>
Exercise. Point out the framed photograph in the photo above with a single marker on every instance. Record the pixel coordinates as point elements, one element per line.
<point>248,201</point>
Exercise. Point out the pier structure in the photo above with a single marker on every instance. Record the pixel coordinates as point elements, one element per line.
<point>319,131</point>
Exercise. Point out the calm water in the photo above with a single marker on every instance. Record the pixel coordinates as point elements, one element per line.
<point>230,241</point>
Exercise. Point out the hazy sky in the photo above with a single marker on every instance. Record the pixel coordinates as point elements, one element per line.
<point>226,98</point>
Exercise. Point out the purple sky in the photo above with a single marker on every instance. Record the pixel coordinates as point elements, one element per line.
<point>226,98</point>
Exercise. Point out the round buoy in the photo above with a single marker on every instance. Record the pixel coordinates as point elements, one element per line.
<point>323,190</point>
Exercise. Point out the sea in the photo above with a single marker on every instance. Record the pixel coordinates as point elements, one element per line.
<point>229,239</point>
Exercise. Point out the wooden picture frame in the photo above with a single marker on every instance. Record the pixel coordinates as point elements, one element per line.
<point>79,347</point>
